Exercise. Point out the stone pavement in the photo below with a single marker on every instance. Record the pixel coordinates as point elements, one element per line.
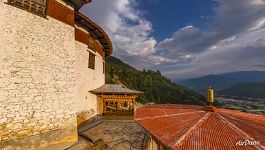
<point>111,135</point>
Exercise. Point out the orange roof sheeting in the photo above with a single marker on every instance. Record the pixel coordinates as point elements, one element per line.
<point>192,127</point>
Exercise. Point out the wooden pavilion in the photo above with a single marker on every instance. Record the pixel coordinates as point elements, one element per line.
<point>115,99</point>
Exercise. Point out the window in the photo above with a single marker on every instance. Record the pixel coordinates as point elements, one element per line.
<point>35,6</point>
<point>103,67</point>
<point>91,43</point>
<point>91,60</point>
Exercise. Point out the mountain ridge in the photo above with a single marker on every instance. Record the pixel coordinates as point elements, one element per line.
<point>223,81</point>
<point>250,90</point>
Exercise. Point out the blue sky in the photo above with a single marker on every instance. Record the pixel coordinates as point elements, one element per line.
<point>184,38</point>
<point>167,17</point>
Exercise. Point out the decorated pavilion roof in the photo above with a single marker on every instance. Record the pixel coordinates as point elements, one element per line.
<point>114,89</point>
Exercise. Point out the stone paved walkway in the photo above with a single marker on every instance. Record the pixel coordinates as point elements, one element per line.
<point>112,135</point>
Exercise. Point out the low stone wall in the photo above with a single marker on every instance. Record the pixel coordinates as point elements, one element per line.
<point>84,116</point>
<point>45,138</point>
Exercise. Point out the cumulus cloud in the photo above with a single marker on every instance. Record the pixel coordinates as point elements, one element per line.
<point>245,52</point>
<point>222,46</point>
<point>233,41</point>
<point>231,17</point>
<point>126,26</point>
<point>234,16</point>
<point>186,41</point>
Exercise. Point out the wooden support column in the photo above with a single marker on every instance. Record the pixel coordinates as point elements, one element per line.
<point>103,106</point>
<point>118,100</point>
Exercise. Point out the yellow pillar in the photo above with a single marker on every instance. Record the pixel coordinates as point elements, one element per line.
<point>210,95</point>
<point>100,105</point>
<point>104,106</point>
<point>118,106</point>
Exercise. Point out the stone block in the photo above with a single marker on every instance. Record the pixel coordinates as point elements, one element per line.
<point>22,133</point>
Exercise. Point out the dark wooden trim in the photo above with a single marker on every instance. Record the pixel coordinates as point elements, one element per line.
<point>78,3</point>
<point>83,37</point>
<point>9,2</point>
<point>93,28</point>
<point>92,61</point>
<point>60,12</point>
<point>99,49</point>
<point>104,69</point>
<point>53,9</point>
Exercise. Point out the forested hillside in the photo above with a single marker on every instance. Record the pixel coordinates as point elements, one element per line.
<point>157,88</point>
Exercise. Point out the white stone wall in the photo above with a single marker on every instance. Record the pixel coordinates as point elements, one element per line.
<point>37,76</point>
<point>87,79</point>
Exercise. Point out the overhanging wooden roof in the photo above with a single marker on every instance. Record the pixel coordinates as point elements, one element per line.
<point>114,89</point>
<point>95,31</point>
<point>79,3</point>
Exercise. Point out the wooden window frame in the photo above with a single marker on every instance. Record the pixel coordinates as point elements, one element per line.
<point>29,8</point>
<point>104,67</point>
<point>91,60</point>
<point>91,43</point>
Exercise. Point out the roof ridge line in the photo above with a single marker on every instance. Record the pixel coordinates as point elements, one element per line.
<point>236,129</point>
<point>187,134</point>
<point>169,115</point>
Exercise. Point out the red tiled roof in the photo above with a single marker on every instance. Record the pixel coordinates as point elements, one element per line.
<point>192,127</point>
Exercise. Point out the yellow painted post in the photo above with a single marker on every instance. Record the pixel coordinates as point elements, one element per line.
<point>100,105</point>
<point>119,106</point>
<point>210,95</point>
<point>104,106</point>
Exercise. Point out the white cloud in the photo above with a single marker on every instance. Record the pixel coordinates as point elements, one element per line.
<point>126,26</point>
<point>234,40</point>
<point>246,52</point>
<point>259,24</point>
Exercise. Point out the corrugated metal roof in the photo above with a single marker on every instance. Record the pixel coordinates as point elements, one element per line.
<point>114,89</point>
<point>192,127</point>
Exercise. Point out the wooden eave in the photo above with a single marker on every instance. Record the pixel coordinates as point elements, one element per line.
<point>79,3</point>
<point>95,31</point>
<point>115,89</point>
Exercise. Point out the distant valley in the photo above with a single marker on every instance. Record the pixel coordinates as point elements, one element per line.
<point>232,88</point>
<point>244,83</point>
<point>251,105</point>
<point>253,90</point>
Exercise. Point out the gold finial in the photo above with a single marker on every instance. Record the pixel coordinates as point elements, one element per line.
<point>210,95</point>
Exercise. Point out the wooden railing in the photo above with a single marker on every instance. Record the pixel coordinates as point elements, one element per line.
<point>34,6</point>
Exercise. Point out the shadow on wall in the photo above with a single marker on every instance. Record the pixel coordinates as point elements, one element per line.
<point>85,116</point>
